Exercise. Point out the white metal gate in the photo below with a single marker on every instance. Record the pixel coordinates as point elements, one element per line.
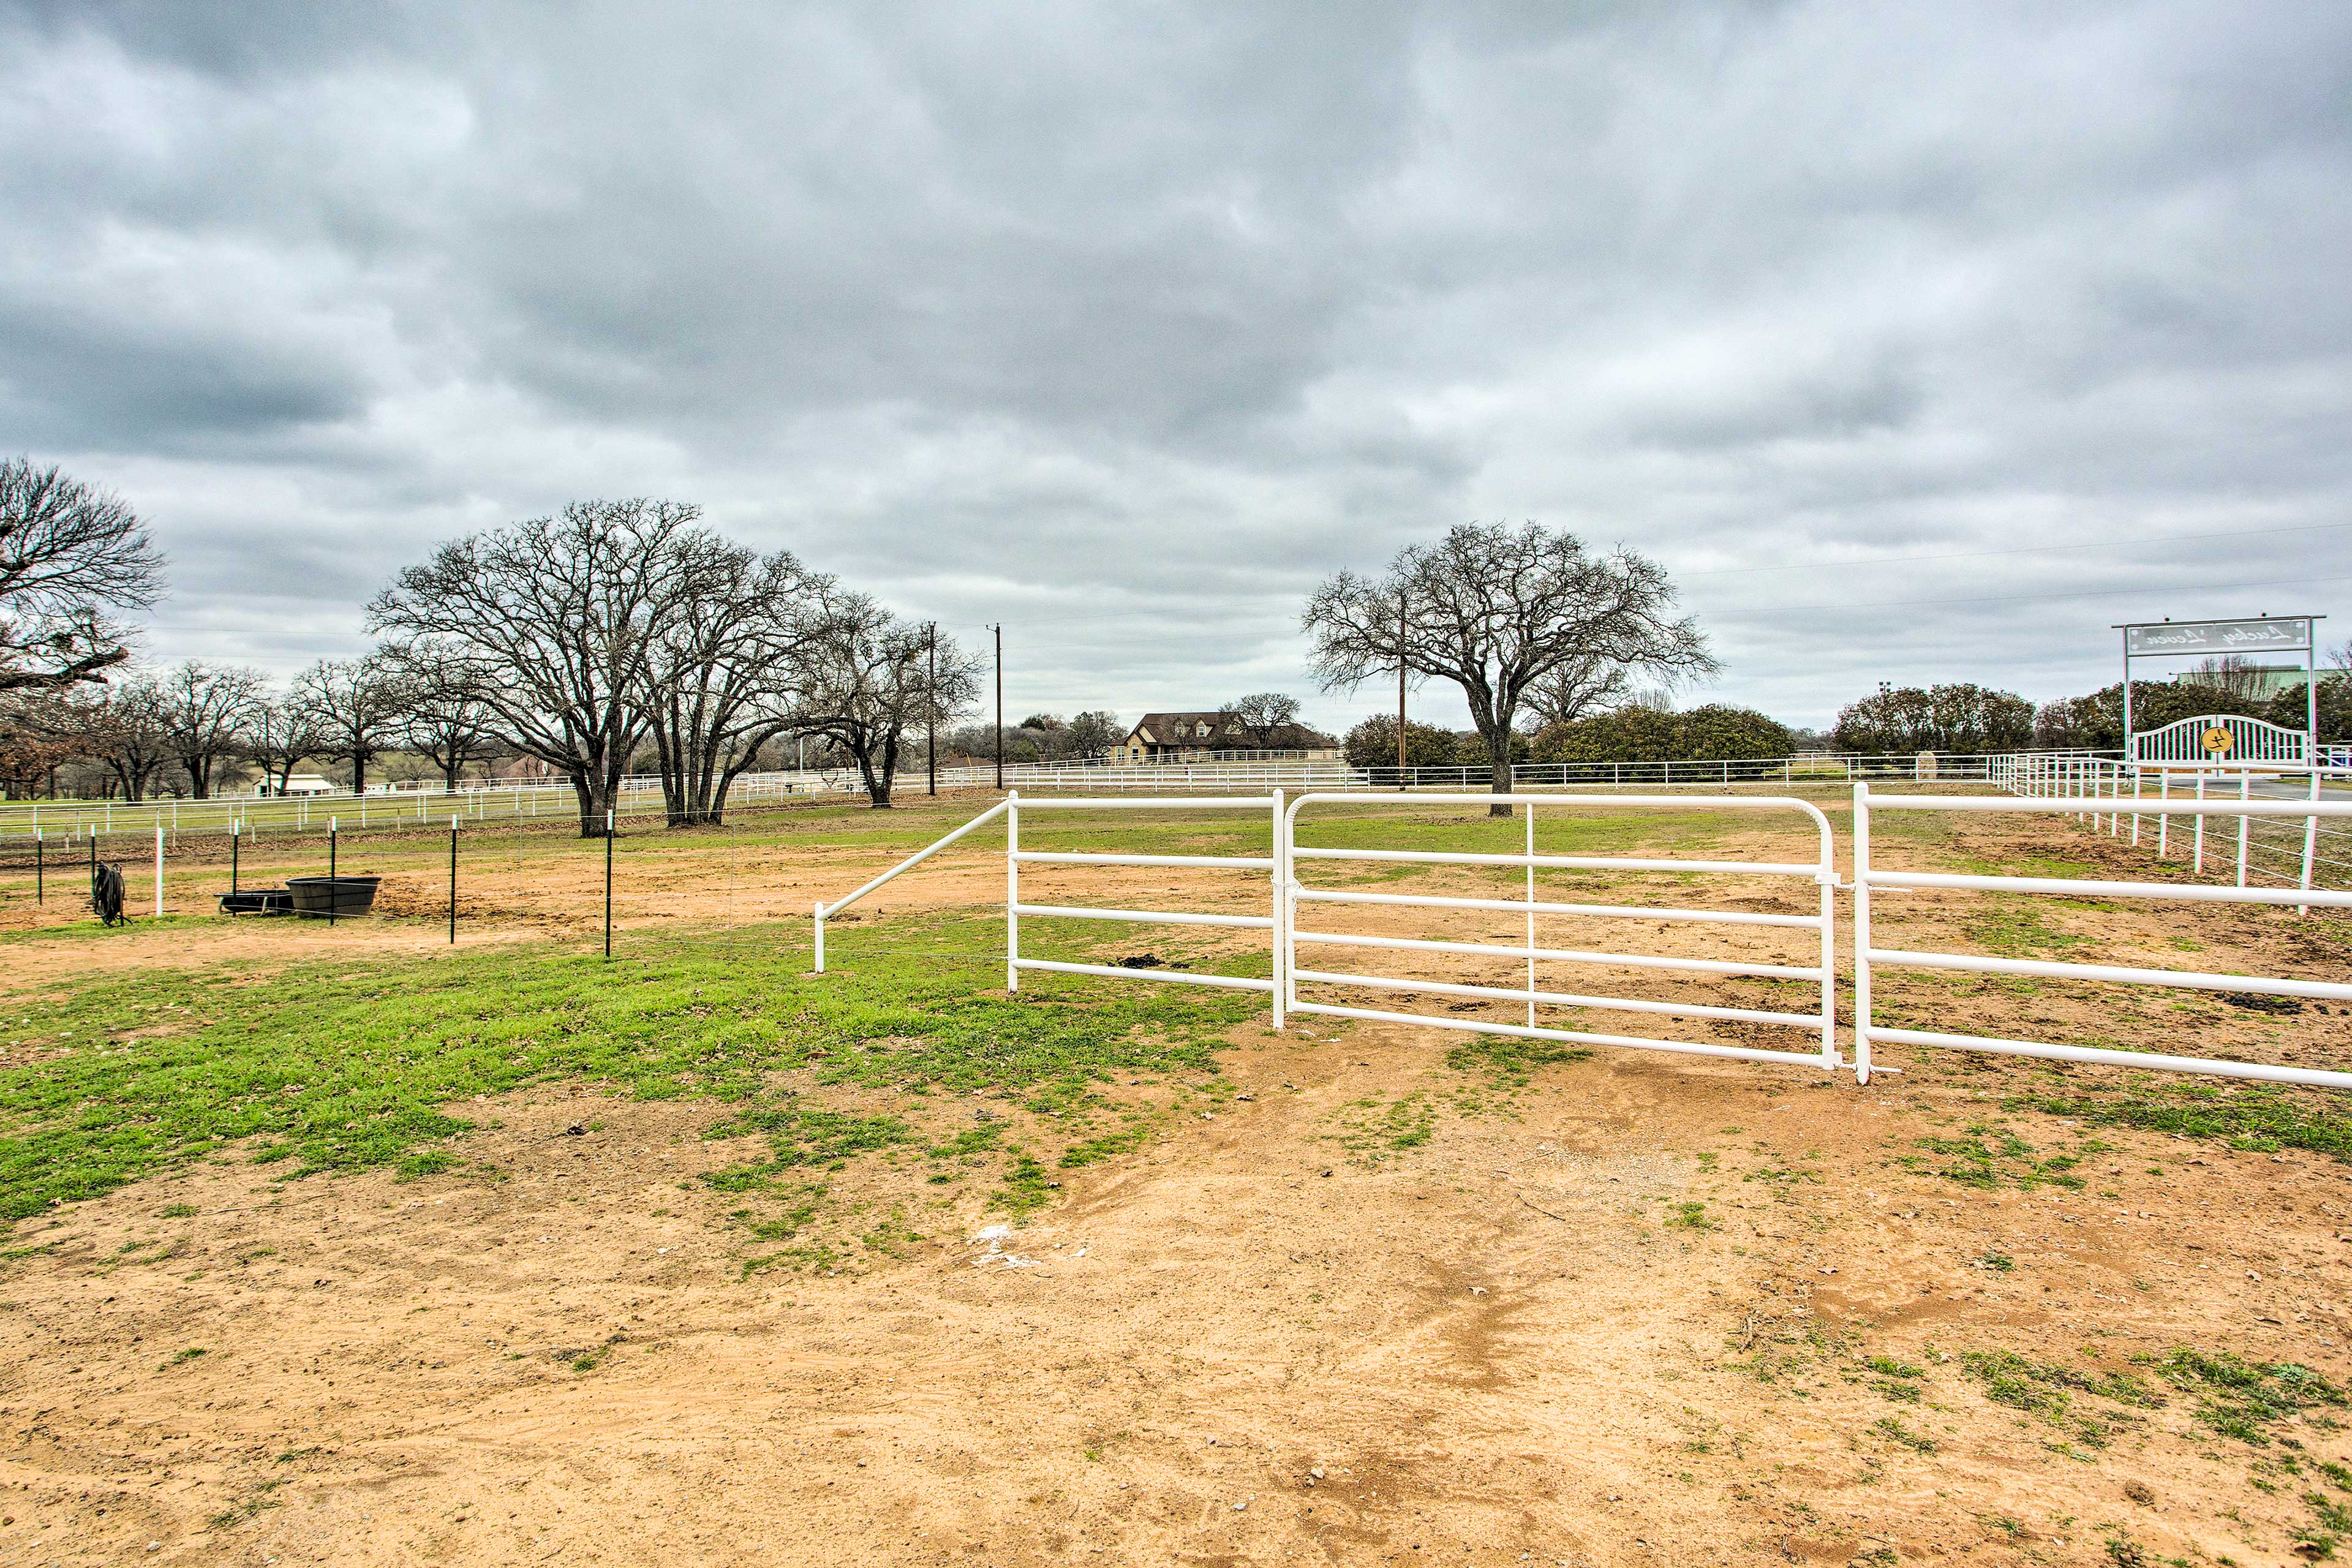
<point>1822,872</point>
<point>1869,957</point>
<point>1010,807</point>
<point>1015,858</point>
<point>2231,740</point>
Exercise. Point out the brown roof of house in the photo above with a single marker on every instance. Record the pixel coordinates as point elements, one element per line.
<point>1163,728</point>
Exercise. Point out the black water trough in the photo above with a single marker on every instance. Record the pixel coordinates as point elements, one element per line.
<point>315,897</point>
<point>258,901</point>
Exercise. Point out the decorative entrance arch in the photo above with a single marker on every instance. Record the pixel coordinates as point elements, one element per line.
<point>2220,741</point>
<point>2225,740</point>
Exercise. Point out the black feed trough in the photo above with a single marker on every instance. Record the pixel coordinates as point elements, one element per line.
<point>257,902</point>
<point>316,898</point>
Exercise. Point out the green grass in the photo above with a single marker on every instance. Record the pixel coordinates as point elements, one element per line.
<point>346,1066</point>
<point>2243,1399</point>
<point>1988,1157</point>
<point>2052,1391</point>
<point>2262,1119</point>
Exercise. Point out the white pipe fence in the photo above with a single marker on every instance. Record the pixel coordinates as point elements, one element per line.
<point>1287,893</point>
<point>1869,876</point>
<point>2126,800</point>
<point>1015,858</point>
<point>2077,793</point>
<point>1824,976</point>
<point>422,804</point>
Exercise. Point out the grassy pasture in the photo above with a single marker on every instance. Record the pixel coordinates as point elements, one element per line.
<point>1976,1303</point>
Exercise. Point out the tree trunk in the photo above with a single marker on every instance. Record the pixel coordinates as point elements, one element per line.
<point>359,773</point>
<point>595,803</point>
<point>877,783</point>
<point>1498,761</point>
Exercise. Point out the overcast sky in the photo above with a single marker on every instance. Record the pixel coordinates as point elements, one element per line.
<point>1922,342</point>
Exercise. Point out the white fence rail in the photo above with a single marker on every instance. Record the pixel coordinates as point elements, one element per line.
<point>2291,847</point>
<point>1824,976</point>
<point>2076,793</point>
<point>523,801</point>
<point>1868,957</point>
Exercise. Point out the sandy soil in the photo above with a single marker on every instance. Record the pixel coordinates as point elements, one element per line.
<point>1276,1332</point>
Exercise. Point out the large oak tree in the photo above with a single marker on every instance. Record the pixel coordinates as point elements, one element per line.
<point>556,622</point>
<point>1496,610</point>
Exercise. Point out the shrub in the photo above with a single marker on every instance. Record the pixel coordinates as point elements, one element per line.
<point>1647,735</point>
<point>1961,719</point>
<point>1372,744</point>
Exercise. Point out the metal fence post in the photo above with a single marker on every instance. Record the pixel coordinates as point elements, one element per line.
<point>2200,821</point>
<point>1531,914</point>
<point>158,868</point>
<point>1281,875</point>
<point>1862,934</point>
<point>609,820</point>
<point>2310,843</point>
<point>453,876</point>
<point>2245,791</point>
<point>1012,890</point>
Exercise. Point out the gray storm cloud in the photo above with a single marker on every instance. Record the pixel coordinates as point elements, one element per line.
<point>1124,325</point>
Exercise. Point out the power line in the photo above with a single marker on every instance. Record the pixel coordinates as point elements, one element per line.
<point>2016,550</point>
<point>2039,598</point>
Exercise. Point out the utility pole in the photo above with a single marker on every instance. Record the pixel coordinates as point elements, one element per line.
<point>1400,636</point>
<point>931,702</point>
<point>999,630</point>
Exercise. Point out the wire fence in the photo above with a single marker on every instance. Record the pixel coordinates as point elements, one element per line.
<point>2129,801</point>
<point>640,796</point>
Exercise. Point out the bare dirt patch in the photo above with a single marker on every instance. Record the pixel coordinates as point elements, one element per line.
<point>1352,1303</point>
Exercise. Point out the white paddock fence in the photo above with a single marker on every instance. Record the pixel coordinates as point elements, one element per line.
<point>1286,893</point>
<point>1015,856</point>
<point>1868,957</point>
<point>1290,892</point>
<point>2293,847</point>
<point>1822,976</point>
<point>423,804</point>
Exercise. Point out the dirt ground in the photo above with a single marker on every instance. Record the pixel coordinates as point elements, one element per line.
<point>1350,1304</point>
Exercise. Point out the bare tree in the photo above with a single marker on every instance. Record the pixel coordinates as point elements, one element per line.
<point>1495,609</point>
<point>1263,716</point>
<point>278,733</point>
<point>443,717</point>
<point>721,680</point>
<point>355,705</point>
<point>69,555</point>
<point>553,621</point>
<point>40,731</point>
<point>863,680</point>
<point>1579,687</point>
<point>127,731</point>
<point>2234,673</point>
<point>206,712</point>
